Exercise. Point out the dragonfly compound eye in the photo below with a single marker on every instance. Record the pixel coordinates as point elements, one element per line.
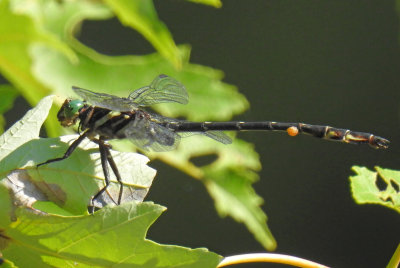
<point>74,107</point>
<point>69,112</point>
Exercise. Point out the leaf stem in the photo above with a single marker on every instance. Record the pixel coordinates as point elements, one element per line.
<point>269,257</point>
<point>187,168</point>
<point>395,260</point>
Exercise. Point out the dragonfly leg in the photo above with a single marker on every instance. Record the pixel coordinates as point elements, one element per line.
<point>69,151</point>
<point>116,173</point>
<point>106,156</point>
<point>103,156</point>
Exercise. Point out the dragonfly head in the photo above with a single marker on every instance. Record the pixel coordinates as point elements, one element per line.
<point>69,112</point>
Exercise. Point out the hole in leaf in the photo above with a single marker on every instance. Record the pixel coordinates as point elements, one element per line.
<point>380,183</point>
<point>387,199</point>
<point>204,159</point>
<point>395,185</point>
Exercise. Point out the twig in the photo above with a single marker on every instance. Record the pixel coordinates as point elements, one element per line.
<point>269,257</point>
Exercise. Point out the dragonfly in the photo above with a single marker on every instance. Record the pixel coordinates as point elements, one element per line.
<point>104,117</point>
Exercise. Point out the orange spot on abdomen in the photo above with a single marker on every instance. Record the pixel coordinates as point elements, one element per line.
<point>292,131</point>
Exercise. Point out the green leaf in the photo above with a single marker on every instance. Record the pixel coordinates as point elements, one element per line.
<point>395,259</point>
<point>17,33</point>
<point>228,180</point>
<point>365,190</point>
<point>63,19</point>
<point>2,123</point>
<point>234,196</point>
<point>69,183</point>
<point>121,75</point>
<point>26,129</point>
<point>214,3</point>
<point>113,74</point>
<point>7,264</point>
<point>142,16</point>
<point>8,94</point>
<point>111,237</point>
<point>6,208</point>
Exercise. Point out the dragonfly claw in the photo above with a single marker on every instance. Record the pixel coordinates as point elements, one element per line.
<point>379,142</point>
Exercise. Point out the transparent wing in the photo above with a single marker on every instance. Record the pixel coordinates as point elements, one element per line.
<point>151,136</point>
<point>215,135</point>
<point>218,136</point>
<point>107,101</point>
<point>162,89</point>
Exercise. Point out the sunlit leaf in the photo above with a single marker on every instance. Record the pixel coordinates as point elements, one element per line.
<point>72,182</point>
<point>111,237</point>
<point>234,196</point>
<point>18,32</point>
<point>228,179</point>
<point>62,18</point>
<point>395,259</point>
<point>380,187</point>
<point>26,129</point>
<point>7,264</point>
<point>8,95</point>
<point>121,75</point>
<point>142,16</point>
<point>214,3</point>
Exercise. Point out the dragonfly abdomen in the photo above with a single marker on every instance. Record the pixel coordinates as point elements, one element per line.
<point>234,126</point>
<point>344,135</point>
<point>319,131</point>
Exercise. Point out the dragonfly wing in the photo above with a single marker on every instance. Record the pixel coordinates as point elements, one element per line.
<point>107,101</point>
<point>151,136</point>
<point>219,136</point>
<point>163,89</point>
<point>216,135</point>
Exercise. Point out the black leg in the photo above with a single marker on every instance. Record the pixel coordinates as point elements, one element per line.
<point>69,151</point>
<point>116,172</point>
<point>106,156</point>
<point>103,156</point>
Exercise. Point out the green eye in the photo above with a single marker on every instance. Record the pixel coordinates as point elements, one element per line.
<point>69,112</point>
<point>73,108</point>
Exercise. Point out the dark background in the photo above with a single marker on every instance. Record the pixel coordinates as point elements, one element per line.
<point>320,62</point>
